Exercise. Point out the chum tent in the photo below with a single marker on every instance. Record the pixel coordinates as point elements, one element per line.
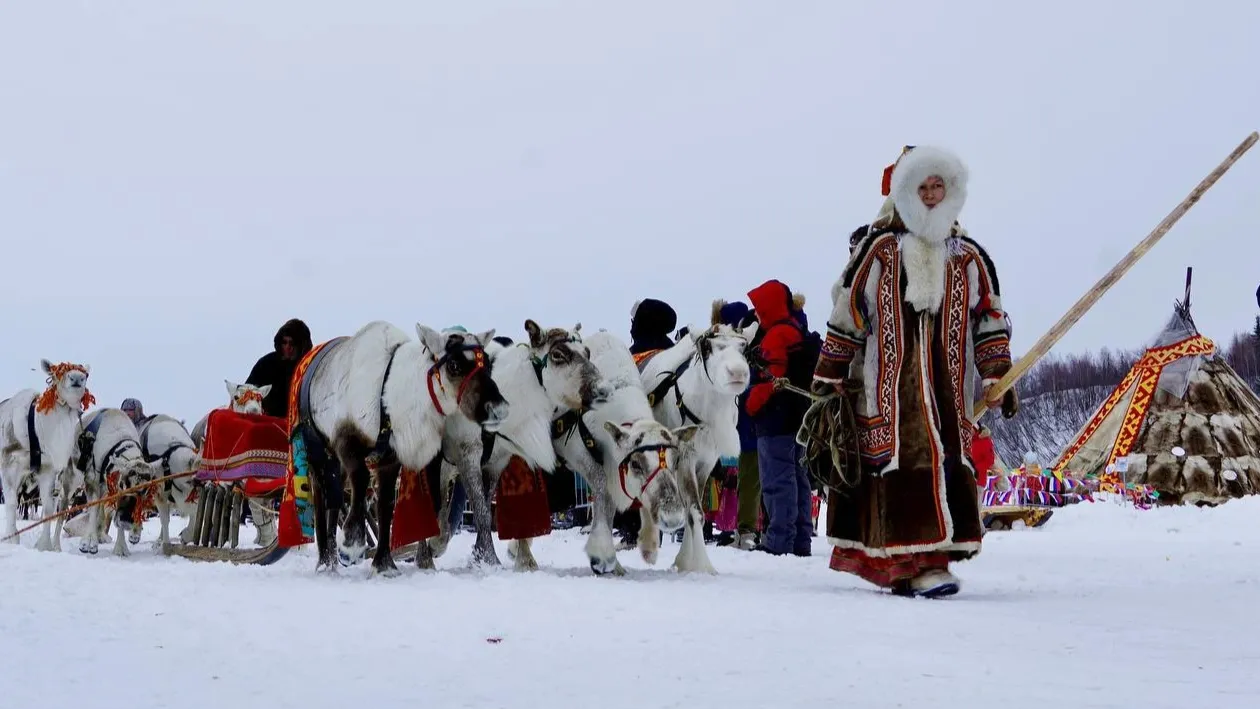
<point>1181,421</point>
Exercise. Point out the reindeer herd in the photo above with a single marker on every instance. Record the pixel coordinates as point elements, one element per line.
<point>642,435</point>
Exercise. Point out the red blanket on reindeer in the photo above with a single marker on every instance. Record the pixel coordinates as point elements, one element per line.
<point>251,448</point>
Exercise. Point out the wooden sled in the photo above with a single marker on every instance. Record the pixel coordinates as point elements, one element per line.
<point>997,519</point>
<point>216,527</point>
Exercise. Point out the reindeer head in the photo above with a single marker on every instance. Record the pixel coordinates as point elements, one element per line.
<point>459,377</point>
<point>67,384</point>
<point>564,367</point>
<point>246,398</point>
<point>650,455</point>
<point>722,351</point>
<point>131,469</point>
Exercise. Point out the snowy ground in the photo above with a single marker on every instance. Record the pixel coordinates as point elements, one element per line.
<point>1103,607</point>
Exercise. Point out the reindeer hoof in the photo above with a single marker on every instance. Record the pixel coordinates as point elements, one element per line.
<point>603,567</point>
<point>134,537</point>
<point>88,548</point>
<point>485,559</point>
<point>387,570</point>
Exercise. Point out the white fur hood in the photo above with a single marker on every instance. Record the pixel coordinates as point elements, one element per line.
<point>933,225</point>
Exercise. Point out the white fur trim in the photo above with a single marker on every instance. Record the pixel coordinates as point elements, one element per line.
<point>916,166</point>
<point>924,265</point>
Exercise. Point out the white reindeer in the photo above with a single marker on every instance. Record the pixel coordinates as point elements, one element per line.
<point>242,399</point>
<point>698,381</point>
<point>110,448</point>
<point>170,448</point>
<point>378,392</point>
<point>550,375</point>
<point>54,418</point>
<point>632,460</point>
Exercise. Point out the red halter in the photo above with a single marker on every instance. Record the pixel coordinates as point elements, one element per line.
<point>622,469</point>
<point>435,374</point>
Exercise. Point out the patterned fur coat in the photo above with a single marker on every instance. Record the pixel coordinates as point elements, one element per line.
<point>917,317</point>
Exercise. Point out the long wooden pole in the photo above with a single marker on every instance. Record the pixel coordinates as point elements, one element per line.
<point>1087,301</point>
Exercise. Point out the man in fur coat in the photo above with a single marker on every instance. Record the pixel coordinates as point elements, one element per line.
<point>917,316</point>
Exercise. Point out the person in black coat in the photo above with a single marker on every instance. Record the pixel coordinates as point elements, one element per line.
<point>292,341</point>
<point>651,321</point>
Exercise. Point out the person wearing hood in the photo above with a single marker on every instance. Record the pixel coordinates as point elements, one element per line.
<point>777,415</point>
<point>921,300</point>
<point>291,343</point>
<point>134,409</point>
<point>651,321</point>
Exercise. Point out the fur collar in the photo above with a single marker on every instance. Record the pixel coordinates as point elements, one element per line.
<point>934,224</point>
<point>927,245</point>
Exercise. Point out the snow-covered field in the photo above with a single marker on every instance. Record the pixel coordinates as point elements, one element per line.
<point>1105,606</point>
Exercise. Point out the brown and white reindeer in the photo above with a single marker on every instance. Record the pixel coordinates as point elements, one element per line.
<point>698,381</point>
<point>626,456</point>
<point>546,377</point>
<point>242,399</point>
<point>110,459</point>
<point>378,393</point>
<point>38,437</point>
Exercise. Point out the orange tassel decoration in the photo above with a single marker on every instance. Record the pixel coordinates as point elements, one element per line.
<point>886,186</point>
<point>48,399</point>
<point>247,396</point>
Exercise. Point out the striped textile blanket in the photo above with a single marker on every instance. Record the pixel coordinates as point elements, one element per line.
<point>239,446</point>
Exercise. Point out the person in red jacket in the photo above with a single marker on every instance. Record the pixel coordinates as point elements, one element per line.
<point>777,416</point>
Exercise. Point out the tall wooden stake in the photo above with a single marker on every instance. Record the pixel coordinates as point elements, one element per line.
<point>1087,301</point>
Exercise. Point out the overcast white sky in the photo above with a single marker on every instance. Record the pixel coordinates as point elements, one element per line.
<point>177,179</point>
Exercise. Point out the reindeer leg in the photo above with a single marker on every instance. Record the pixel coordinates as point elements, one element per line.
<point>163,502</point>
<point>386,489</point>
<point>425,557</point>
<point>264,521</point>
<point>65,502</point>
<point>354,529</point>
<point>45,541</point>
<point>120,544</point>
<point>692,555</point>
<point>470,474</point>
<point>191,510</point>
<point>326,547</point>
<point>525,560</point>
<point>436,546</point>
<point>10,508</point>
<point>649,537</point>
<point>90,544</point>
<point>600,548</point>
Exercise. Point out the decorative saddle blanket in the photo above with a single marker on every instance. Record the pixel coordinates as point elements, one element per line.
<point>240,446</point>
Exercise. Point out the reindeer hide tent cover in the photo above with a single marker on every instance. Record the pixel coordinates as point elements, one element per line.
<point>1181,421</point>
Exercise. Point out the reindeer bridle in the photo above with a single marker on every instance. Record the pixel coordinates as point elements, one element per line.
<point>435,372</point>
<point>243,398</point>
<point>661,464</point>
